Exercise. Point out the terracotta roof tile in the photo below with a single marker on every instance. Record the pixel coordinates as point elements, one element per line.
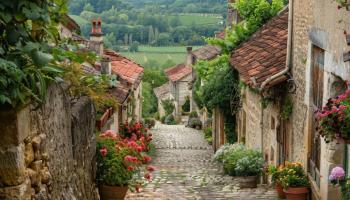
<point>125,68</point>
<point>264,54</point>
<point>178,72</point>
<point>207,52</point>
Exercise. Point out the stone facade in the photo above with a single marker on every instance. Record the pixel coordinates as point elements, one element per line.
<point>48,152</point>
<point>313,28</point>
<point>179,91</point>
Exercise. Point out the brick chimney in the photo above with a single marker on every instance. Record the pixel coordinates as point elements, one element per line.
<point>189,57</point>
<point>96,37</point>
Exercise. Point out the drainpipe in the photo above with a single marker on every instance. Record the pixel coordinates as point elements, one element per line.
<point>289,49</point>
<point>284,71</point>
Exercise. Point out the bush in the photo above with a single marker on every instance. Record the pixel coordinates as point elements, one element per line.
<point>293,175</point>
<point>243,162</point>
<point>225,149</point>
<point>170,120</point>
<point>150,123</point>
<point>194,122</point>
<point>157,116</point>
<point>168,106</point>
<point>186,107</point>
<point>193,114</point>
<point>208,135</point>
<point>162,119</point>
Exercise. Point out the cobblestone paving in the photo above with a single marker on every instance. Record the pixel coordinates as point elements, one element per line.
<point>185,170</point>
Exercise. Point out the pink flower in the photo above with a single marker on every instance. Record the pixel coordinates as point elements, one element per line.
<point>130,159</point>
<point>103,151</point>
<point>337,173</point>
<point>148,176</point>
<point>131,168</point>
<point>151,168</point>
<point>110,134</point>
<point>147,158</point>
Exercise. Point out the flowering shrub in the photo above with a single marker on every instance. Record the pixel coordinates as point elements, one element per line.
<point>239,161</point>
<point>334,117</point>
<point>292,175</point>
<point>275,172</point>
<point>337,177</point>
<point>121,157</point>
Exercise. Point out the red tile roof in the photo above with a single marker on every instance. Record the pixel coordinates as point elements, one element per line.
<point>264,54</point>
<point>207,52</point>
<point>123,67</point>
<point>178,72</point>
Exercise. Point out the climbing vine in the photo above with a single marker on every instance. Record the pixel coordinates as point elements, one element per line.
<point>221,82</point>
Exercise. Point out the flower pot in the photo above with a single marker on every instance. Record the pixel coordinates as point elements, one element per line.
<point>296,193</point>
<point>112,192</point>
<point>280,192</point>
<point>248,181</point>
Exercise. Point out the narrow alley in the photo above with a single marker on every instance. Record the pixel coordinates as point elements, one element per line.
<point>185,170</point>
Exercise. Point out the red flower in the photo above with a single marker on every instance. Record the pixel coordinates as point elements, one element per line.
<point>138,188</point>
<point>131,168</point>
<point>147,158</point>
<point>148,176</point>
<point>130,159</point>
<point>151,168</point>
<point>103,151</point>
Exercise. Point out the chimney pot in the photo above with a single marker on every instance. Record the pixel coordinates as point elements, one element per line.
<point>189,49</point>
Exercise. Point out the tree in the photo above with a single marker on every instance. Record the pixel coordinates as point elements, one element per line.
<point>150,35</point>
<point>134,47</point>
<point>164,39</point>
<point>175,21</point>
<point>126,39</point>
<point>88,7</point>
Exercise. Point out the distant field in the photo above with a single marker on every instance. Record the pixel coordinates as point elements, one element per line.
<point>160,54</point>
<point>202,19</point>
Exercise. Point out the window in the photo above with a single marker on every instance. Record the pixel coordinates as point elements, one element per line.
<point>273,125</point>
<point>317,76</point>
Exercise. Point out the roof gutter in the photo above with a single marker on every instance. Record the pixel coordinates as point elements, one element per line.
<point>289,49</point>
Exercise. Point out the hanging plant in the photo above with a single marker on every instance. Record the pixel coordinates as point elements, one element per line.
<point>344,4</point>
<point>333,119</point>
<point>287,108</point>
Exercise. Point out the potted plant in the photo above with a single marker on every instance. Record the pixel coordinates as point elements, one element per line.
<point>275,173</point>
<point>195,123</point>
<point>245,165</point>
<point>121,164</point>
<point>338,178</point>
<point>333,117</point>
<point>294,181</point>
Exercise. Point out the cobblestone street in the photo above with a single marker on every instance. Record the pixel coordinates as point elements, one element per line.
<point>185,170</point>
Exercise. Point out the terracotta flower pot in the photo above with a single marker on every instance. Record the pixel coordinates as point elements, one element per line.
<point>112,192</point>
<point>247,181</point>
<point>280,192</point>
<point>296,193</point>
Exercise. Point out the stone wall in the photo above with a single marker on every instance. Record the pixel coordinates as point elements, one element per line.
<point>311,27</point>
<point>48,152</point>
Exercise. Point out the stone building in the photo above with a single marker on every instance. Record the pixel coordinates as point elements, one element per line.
<point>129,74</point>
<point>179,78</point>
<point>260,125</point>
<point>319,67</point>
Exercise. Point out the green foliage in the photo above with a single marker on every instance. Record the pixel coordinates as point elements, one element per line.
<point>287,108</point>
<point>168,106</point>
<point>150,123</point>
<point>162,119</point>
<point>186,107</point>
<point>195,122</point>
<point>26,63</point>
<point>193,114</point>
<point>222,152</point>
<point>170,120</point>
<point>293,175</point>
<point>149,103</point>
<point>111,168</point>
<point>134,47</point>
<point>243,162</point>
<point>208,135</point>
